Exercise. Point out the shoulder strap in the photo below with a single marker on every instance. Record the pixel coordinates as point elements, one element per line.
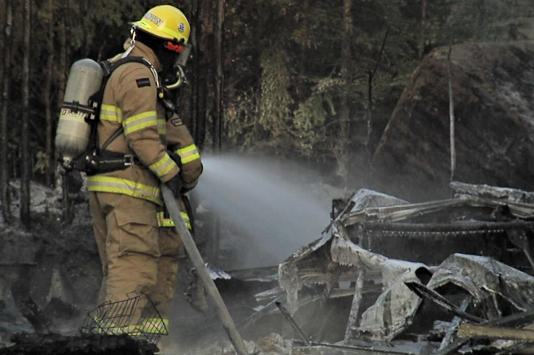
<point>109,67</point>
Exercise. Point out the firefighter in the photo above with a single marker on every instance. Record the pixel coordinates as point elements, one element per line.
<point>134,129</point>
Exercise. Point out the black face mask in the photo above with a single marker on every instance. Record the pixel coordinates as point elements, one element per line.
<point>166,57</point>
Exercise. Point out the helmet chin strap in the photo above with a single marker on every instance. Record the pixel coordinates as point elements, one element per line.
<point>132,44</point>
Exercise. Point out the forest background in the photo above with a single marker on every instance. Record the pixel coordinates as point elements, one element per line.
<point>314,81</point>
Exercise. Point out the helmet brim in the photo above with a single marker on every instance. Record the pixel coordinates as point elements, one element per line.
<point>145,27</point>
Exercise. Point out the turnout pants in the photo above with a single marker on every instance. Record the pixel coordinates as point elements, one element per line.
<point>127,238</point>
<point>136,257</point>
<point>171,250</point>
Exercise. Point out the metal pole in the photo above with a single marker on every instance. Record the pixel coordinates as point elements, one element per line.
<point>202,271</point>
<point>294,324</point>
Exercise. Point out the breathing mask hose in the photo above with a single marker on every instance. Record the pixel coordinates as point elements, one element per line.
<point>178,78</point>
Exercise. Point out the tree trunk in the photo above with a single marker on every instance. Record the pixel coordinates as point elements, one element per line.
<point>219,80</point>
<point>62,81</point>
<point>185,100</point>
<point>51,166</point>
<point>214,249</point>
<point>82,10</point>
<point>62,68</point>
<point>189,109</point>
<point>6,89</point>
<point>25,131</point>
<point>204,71</point>
<point>422,37</point>
<point>344,110</point>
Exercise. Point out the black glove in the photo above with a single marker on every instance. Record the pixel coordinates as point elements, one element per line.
<point>174,156</point>
<point>175,184</point>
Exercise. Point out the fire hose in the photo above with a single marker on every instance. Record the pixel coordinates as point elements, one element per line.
<point>202,271</point>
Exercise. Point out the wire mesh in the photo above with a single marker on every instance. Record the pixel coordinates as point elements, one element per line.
<point>126,317</point>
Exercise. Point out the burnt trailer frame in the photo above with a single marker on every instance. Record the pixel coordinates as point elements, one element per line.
<point>479,220</point>
<point>389,251</point>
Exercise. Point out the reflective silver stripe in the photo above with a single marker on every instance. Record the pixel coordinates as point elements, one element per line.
<point>188,154</point>
<point>140,121</point>
<point>111,113</point>
<point>163,166</point>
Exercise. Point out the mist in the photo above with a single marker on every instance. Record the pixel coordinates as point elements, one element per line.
<point>272,207</point>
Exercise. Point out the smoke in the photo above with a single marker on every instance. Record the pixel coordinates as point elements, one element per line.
<point>272,207</point>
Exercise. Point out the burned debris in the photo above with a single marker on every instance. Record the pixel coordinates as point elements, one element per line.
<point>387,276</point>
<point>436,277</point>
<point>111,328</point>
<point>90,344</point>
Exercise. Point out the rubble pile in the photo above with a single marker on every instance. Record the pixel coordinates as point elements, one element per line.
<point>387,276</point>
<point>270,344</point>
<point>412,285</point>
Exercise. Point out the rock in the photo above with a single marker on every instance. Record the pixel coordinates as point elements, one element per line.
<point>492,85</point>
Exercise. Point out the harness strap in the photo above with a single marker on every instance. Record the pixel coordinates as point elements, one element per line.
<point>108,161</point>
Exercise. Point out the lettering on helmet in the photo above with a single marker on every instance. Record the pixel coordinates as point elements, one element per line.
<point>153,18</point>
<point>181,27</point>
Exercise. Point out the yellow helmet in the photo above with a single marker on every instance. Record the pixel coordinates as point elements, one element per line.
<point>165,22</point>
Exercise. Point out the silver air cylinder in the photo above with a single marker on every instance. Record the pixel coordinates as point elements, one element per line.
<point>73,131</point>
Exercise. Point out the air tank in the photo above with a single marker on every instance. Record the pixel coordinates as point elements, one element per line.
<point>73,130</point>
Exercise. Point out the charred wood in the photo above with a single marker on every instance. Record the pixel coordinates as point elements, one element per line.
<point>335,349</point>
<point>29,344</point>
<point>514,320</point>
<point>472,331</point>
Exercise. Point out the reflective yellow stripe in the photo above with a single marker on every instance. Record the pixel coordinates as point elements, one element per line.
<point>111,184</point>
<point>162,126</point>
<point>149,326</point>
<point>140,121</point>
<point>111,113</point>
<point>168,222</point>
<point>154,326</point>
<point>188,154</point>
<point>171,32</point>
<point>162,166</point>
<point>152,24</point>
